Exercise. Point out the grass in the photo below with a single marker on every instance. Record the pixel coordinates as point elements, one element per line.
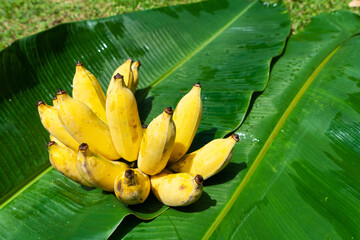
<point>22,18</point>
<point>301,11</point>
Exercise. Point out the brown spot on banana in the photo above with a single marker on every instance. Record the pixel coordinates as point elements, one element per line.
<point>50,143</point>
<point>83,146</point>
<point>199,179</point>
<point>118,186</point>
<point>39,102</point>
<point>235,137</point>
<point>169,110</point>
<point>60,92</point>
<point>197,84</point>
<point>129,173</point>
<point>118,76</point>
<point>78,63</point>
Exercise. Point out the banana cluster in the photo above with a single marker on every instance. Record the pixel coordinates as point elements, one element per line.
<point>99,141</point>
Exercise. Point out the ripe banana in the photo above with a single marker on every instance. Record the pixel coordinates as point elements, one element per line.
<point>186,117</point>
<point>176,189</point>
<point>51,122</point>
<point>99,171</point>
<point>55,101</point>
<point>208,160</point>
<point>125,71</point>
<point>84,126</point>
<point>54,139</point>
<point>64,159</point>
<point>135,71</point>
<point>123,118</point>
<point>132,187</point>
<point>86,88</point>
<point>112,128</point>
<point>157,143</point>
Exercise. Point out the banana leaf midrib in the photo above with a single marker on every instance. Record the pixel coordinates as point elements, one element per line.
<point>22,188</point>
<point>272,137</point>
<point>200,47</point>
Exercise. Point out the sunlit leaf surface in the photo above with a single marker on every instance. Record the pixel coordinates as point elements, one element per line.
<point>301,145</point>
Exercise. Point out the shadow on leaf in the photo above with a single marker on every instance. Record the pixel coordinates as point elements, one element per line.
<point>127,224</point>
<point>227,174</point>
<point>151,205</point>
<point>200,205</point>
<point>86,188</point>
<point>144,103</point>
<point>202,138</point>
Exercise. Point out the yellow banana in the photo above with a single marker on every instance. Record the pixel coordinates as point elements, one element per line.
<point>86,88</point>
<point>186,117</point>
<point>54,139</point>
<point>84,126</point>
<point>208,160</point>
<point>99,171</point>
<point>135,71</point>
<point>55,101</point>
<point>132,187</point>
<point>123,119</point>
<point>125,71</point>
<point>176,189</point>
<point>64,159</point>
<point>51,122</point>
<point>157,143</point>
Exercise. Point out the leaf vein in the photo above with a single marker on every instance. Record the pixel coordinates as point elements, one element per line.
<point>268,142</point>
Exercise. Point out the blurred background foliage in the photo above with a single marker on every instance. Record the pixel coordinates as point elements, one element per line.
<point>21,18</point>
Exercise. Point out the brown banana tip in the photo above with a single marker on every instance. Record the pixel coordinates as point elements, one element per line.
<point>199,179</point>
<point>78,63</point>
<point>129,59</point>
<point>197,84</point>
<point>235,137</point>
<point>138,63</point>
<point>39,102</point>
<point>144,126</point>
<point>50,143</point>
<point>169,110</point>
<point>60,92</point>
<point>55,98</point>
<point>118,76</point>
<point>129,173</point>
<point>83,146</point>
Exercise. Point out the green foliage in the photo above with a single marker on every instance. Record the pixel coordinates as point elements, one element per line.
<point>302,11</point>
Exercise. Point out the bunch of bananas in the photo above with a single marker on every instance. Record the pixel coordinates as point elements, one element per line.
<point>99,141</point>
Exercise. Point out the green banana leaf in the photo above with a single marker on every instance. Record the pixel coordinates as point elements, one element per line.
<point>226,45</point>
<point>301,143</point>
